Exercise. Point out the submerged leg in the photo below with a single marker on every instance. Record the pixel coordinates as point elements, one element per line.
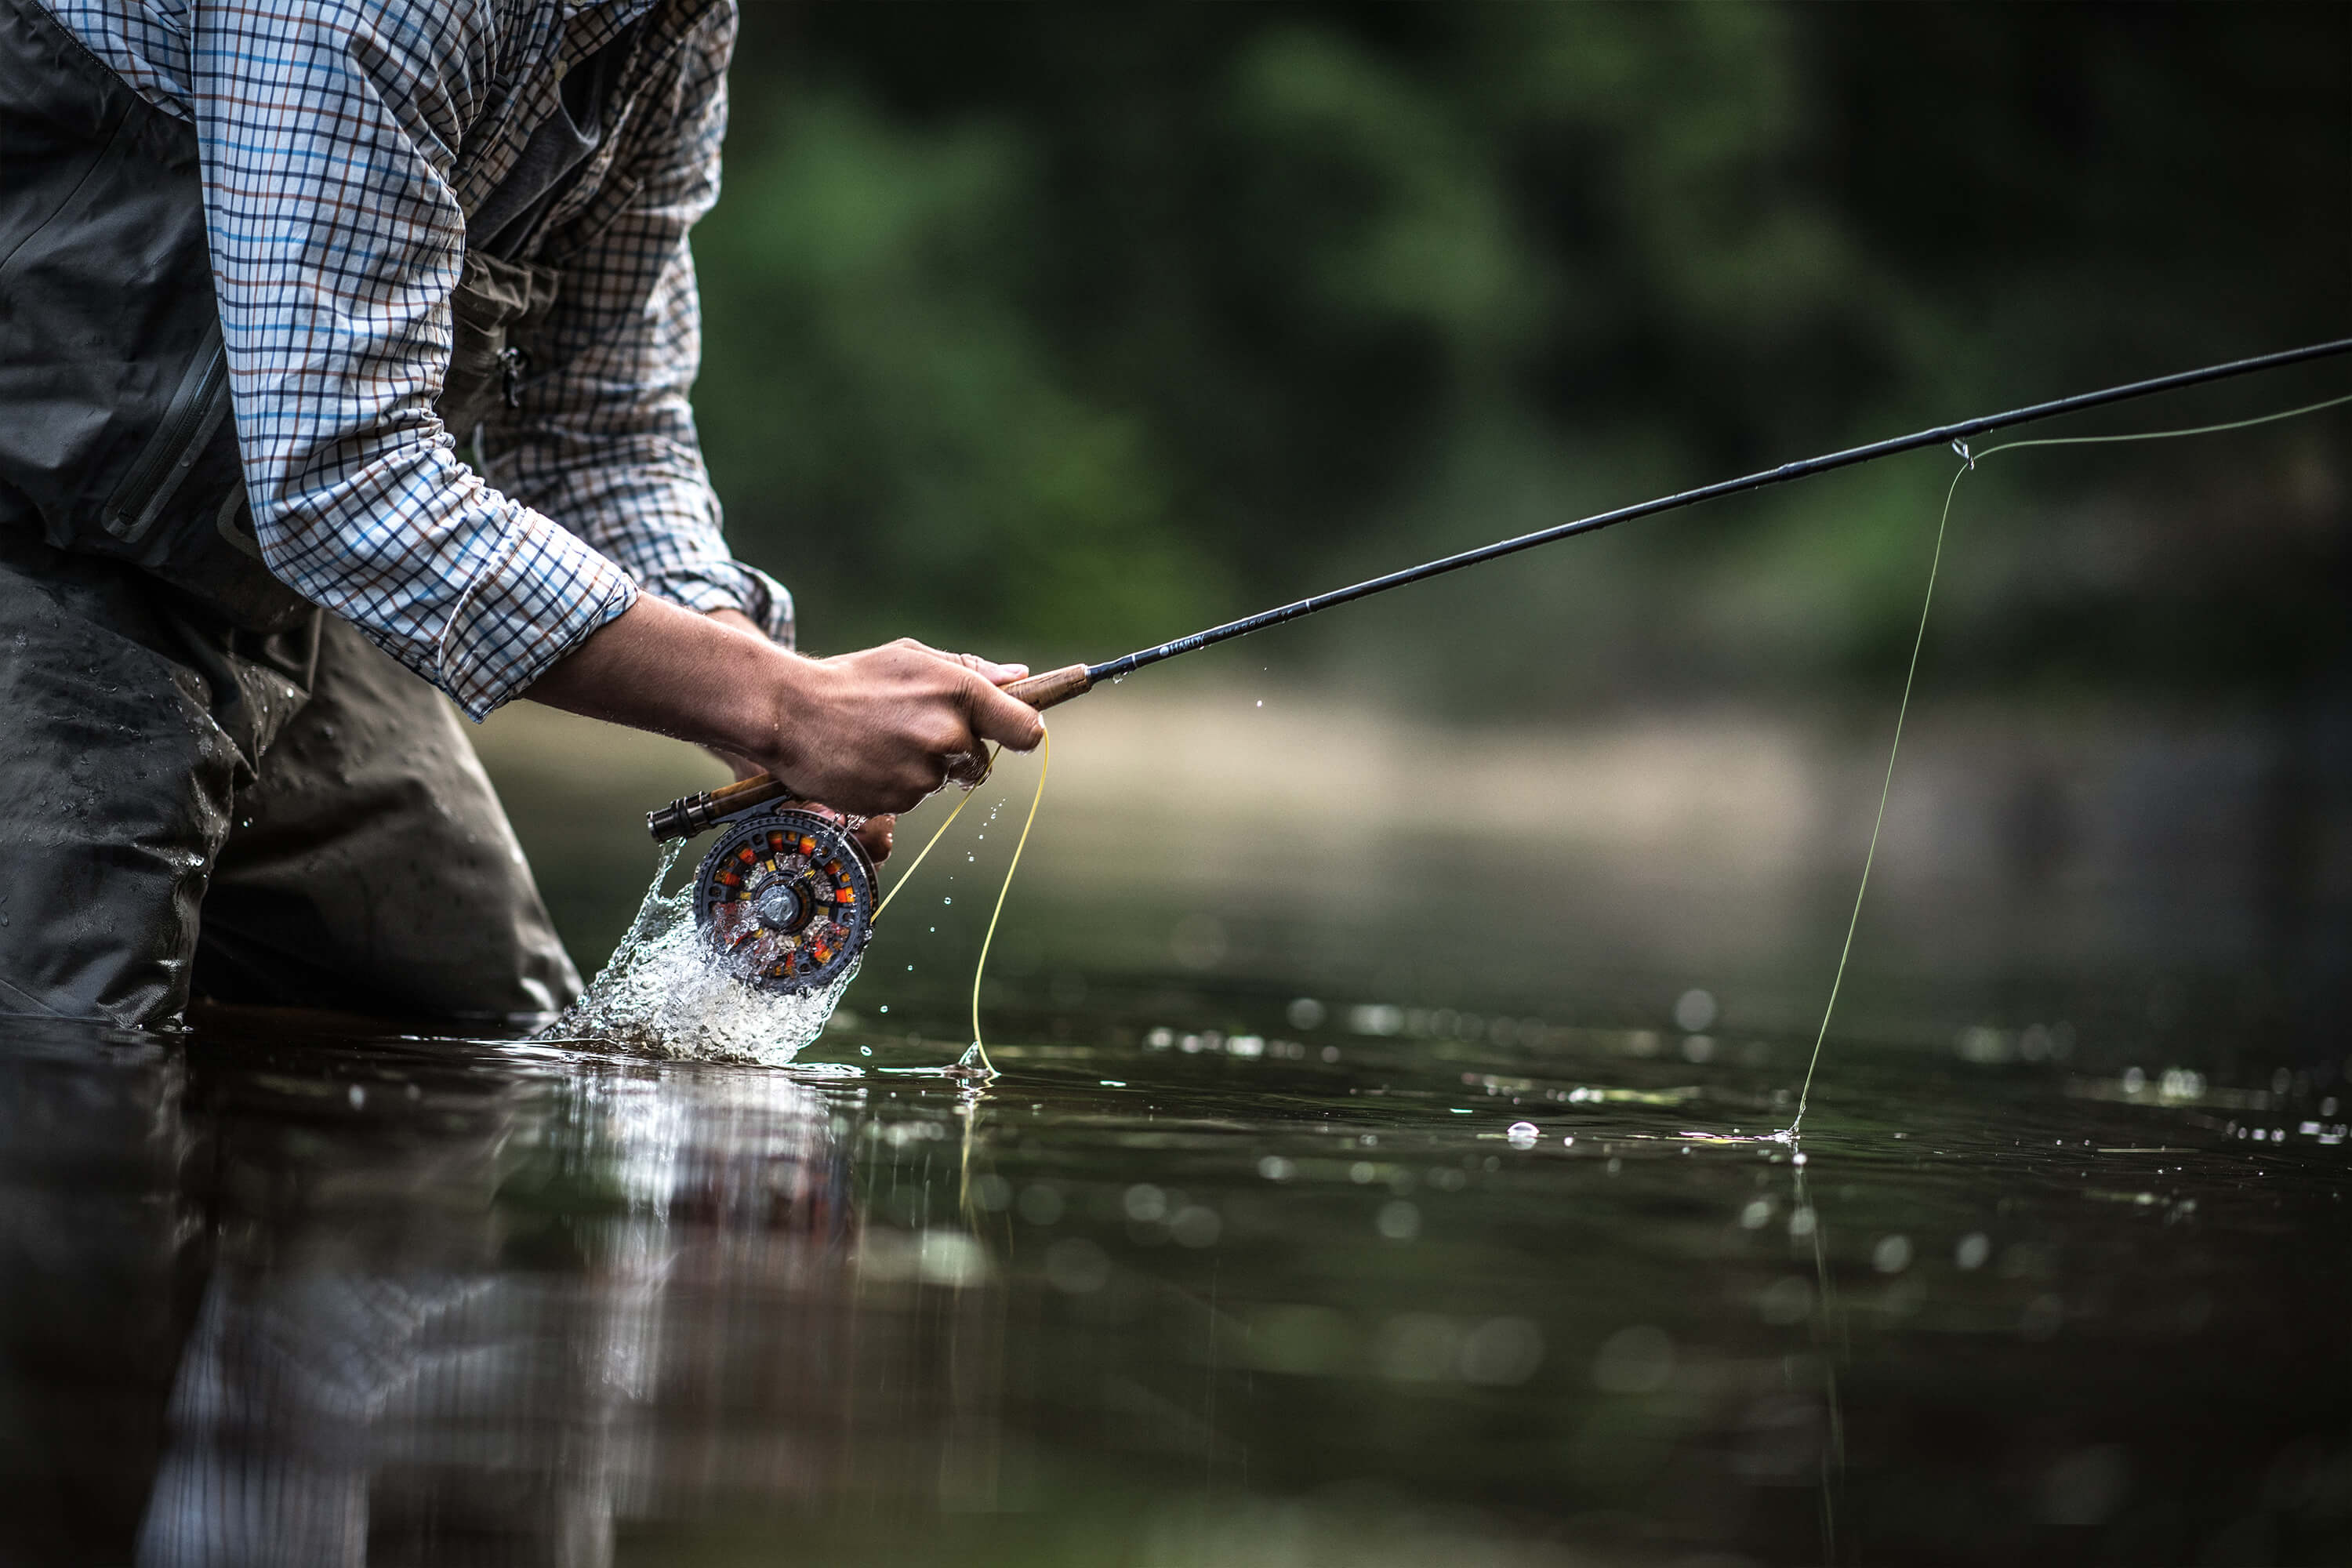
<point>114,793</point>
<point>371,866</point>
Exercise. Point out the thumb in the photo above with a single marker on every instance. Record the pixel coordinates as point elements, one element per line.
<point>1005,719</point>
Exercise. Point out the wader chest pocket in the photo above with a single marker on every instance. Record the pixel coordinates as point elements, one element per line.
<point>497,303</point>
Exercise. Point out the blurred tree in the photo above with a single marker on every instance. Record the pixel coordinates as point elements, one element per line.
<point>1060,329</point>
<point>892,422</point>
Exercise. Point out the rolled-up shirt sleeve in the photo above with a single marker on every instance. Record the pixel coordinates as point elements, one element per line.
<point>603,436</point>
<point>329,130</point>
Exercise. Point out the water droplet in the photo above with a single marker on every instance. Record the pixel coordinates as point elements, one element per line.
<point>1523,1134</point>
<point>944,901</point>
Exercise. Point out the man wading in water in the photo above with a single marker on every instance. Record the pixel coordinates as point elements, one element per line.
<point>344,348</point>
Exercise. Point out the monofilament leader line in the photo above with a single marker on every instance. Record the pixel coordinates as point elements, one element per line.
<point>1911,674</point>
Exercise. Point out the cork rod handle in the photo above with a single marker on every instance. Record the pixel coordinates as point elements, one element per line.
<point>1043,691</point>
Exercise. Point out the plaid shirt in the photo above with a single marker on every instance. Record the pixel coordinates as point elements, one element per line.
<point>343,143</point>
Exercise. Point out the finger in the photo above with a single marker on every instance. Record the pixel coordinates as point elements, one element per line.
<point>994,673</point>
<point>969,769</point>
<point>987,670</point>
<point>1005,719</point>
<point>877,833</point>
<point>896,799</point>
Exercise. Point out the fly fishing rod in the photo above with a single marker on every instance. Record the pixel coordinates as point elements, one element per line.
<point>796,890</point>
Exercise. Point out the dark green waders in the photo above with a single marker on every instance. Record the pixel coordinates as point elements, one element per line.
<point>207,789</point>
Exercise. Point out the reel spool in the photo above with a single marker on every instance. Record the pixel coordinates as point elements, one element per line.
<point>786,898</point>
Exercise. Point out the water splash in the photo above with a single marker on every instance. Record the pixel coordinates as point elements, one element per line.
<point>665,994</point>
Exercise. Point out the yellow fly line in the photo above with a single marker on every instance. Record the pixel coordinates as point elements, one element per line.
<point>980,970</point>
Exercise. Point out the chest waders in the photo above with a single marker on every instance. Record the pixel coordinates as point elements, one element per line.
<point>207,786</point>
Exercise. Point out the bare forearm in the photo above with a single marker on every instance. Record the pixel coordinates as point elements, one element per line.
<point>869,733</point>
<point>674,672</point>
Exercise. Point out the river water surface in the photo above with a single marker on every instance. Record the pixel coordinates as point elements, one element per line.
<point>1216,1275</point>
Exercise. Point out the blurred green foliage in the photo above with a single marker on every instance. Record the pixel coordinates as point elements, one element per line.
<point>1059,330</point>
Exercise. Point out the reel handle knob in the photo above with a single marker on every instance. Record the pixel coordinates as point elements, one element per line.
<point>690,814</point>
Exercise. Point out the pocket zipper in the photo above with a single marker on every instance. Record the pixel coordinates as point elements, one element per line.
<point>196,412</point>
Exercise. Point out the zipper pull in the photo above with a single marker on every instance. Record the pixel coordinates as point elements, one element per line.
<point>513,365</point>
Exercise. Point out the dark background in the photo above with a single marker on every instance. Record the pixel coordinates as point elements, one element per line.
<point>1063,330</point>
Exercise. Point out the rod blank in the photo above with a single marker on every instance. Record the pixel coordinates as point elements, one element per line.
<point>690,814</point>
<point>1941,436</point>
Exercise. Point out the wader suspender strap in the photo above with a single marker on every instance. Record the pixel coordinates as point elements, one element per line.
<point>117,435</point>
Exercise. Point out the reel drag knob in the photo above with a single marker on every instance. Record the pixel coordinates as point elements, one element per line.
<point>779,908</point>
<point>784,900</point>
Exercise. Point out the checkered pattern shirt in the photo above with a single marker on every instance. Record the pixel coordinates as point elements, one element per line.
<point>343,143</point>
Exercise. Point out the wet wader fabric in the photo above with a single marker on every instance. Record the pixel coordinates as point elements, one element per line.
<point>189,809</point>
<point>179,735</point>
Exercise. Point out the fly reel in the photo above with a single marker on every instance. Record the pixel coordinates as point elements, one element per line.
<point>786,898</point>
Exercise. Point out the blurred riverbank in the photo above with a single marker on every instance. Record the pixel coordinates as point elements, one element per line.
<point>2157,872</point>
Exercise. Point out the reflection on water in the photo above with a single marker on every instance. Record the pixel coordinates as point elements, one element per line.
<point>1325,1283</point>
<point>460,1320</point>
